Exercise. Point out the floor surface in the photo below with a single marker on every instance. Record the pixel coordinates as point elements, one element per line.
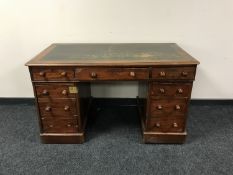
<point>114,145</point>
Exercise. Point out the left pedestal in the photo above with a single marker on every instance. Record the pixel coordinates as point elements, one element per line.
<point>62,106</point>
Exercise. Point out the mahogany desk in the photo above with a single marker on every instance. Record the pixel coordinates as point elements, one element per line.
<point>62,73</point>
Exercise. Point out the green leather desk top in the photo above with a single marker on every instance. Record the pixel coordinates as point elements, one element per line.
<point>113,54</point>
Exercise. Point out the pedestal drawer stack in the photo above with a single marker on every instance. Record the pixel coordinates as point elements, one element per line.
<point>58,104</point>
<point>169,95</point>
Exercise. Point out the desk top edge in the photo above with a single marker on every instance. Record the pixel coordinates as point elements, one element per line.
<point>38,60</point>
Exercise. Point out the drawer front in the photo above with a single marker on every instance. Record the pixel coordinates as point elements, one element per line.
<point>174,73</point>
<point>46,74</point>
<point>173,124</point>
<point>171,90</point>
<point>57,108</point>
<point>55,90</point>
<point>59,126</point>
<point>164,107</point>
<point>112,73</point>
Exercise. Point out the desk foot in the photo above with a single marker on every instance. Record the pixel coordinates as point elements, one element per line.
<point>157,137</point>
<point>62,138</point>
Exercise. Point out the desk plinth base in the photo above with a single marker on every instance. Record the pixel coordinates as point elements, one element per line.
<point>158,137</point>
<point>62,138</point>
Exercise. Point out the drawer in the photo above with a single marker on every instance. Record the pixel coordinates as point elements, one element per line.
<point>164,107</point>
<point>58,108</point>
<point>52,73</point>
<point>173,73</point>
<point>59,126</point>
<point>173,124</point>
<point>55,90</point>
<point>112,73</point>
<point>171,89</point>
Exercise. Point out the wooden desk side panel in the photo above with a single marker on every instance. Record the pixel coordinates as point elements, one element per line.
<point>84,91</point>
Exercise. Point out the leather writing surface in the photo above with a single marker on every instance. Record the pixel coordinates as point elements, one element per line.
<point>114,53</point>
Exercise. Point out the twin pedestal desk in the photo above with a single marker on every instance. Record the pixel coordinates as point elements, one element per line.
<point>61,76</point>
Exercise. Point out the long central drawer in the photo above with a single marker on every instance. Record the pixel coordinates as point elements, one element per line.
<point>112,73</point>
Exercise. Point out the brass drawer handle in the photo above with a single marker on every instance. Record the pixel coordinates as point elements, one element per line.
<point>159,107</point>
<point>93,75</point>
<point>180,91</point>
<point>184,74</point>
<point>132,74</point>
<point>175,125</point>
<point>177,107</point>
<point>42,74</point>
<point>45,92</point>
<point>50,126</point>
<point>69,125</point>
<point>157,125</point>
<point>76,126</point>
<point>48,108</point>
<point>66,108</point>
<point>162,74</point>
<point>162,91</point>
<point>63,74</point>
<point>64,92</point>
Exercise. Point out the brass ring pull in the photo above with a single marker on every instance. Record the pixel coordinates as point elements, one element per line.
<point>69,125</point>
<point>162,74</point>
<point>64,92</point>
<point>175,125</point>
<point>161,90</point>
<point>177,107</point>
<point>159,107</point>
<point>63,74</point>
<point>93,75</point>
<point>50,126</point>
<point>48,108</point>
<point>132,74</point>
<point>180,91</point>
<point>66,108</point>
<point>45,92</point>
<point>184,74</point>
